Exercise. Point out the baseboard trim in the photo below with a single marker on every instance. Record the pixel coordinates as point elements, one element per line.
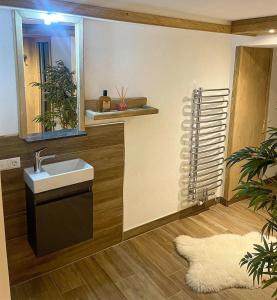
<point>149,226</point>
<point>227,203</point>
<point>185,213</point>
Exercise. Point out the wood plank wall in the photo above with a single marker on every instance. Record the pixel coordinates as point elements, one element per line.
<point>103,147</point>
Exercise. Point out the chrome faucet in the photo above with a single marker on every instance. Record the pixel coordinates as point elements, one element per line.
<point>39,159</point>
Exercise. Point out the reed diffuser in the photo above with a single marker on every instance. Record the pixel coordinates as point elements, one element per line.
<point>122,105</point>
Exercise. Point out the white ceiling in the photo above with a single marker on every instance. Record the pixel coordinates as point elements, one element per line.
<point>206,10</point>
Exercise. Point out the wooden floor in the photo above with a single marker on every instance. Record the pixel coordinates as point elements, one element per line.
<point>147,266</point>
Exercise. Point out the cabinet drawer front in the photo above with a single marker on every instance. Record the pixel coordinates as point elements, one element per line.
<point>64,222</point>
<point>63,192</point>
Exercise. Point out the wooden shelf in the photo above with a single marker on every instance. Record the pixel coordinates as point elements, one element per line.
<point>131,112</point>
<point>136,107</point>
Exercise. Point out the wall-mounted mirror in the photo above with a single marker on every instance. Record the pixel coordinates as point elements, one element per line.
<point>50,74</point>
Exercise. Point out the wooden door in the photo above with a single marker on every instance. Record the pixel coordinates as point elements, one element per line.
<point>249,105</point>
<point>32,74</point>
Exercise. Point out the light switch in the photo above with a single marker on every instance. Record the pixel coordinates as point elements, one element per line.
<point>10,163</point>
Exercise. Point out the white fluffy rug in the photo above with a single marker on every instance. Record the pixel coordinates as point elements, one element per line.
<point>214,261</point>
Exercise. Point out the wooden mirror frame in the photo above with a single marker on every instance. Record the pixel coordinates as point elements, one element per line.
<point>79,41</point>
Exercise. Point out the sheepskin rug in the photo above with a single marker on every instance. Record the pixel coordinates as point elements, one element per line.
<point>214,261</point>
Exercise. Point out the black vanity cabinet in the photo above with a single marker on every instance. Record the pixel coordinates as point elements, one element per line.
<point>59,218</point>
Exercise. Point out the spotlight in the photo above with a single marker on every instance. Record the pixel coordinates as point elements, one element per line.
<point>49,18</point>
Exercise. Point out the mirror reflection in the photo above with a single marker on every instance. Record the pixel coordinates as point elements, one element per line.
<point>49,75</point>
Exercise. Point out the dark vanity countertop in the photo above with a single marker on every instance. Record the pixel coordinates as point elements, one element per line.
<point>53,135</point>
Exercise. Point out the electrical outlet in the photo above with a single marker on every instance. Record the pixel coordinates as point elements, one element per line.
<point>10,163</point>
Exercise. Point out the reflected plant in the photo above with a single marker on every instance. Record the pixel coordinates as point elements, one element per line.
<point>59,90</point>
<point>262,264</point>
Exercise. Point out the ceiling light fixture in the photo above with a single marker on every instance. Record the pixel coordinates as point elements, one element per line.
<point>271,30</point>
<point>51,18</point>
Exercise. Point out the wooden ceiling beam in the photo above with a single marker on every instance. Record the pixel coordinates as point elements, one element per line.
<point>116,14</point>
<point>255,26</point>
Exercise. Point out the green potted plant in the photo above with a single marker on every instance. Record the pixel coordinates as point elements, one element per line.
<point>59,90</point>
<point>262,263</point>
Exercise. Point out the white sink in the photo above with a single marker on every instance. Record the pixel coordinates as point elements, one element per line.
<point>57,175</point>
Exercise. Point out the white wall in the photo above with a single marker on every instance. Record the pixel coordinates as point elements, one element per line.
<point>8,94</point>
<point>63,48</point>
<point>269,40</point>
<point>163,64</point>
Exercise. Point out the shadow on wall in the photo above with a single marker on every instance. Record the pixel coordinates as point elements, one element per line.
<point>185,154</point>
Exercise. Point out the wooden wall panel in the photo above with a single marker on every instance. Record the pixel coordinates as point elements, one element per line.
<point>254,26</point>
<point>103,147</point>
<point>116,14</point>
<point>249,105</point>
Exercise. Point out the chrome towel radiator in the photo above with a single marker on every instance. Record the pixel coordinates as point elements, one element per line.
<point>207,143</point>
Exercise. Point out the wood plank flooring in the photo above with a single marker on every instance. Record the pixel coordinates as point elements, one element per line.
<point>147,266</point>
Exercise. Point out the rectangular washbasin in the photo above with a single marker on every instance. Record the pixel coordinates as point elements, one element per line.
<point>57,175</point>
